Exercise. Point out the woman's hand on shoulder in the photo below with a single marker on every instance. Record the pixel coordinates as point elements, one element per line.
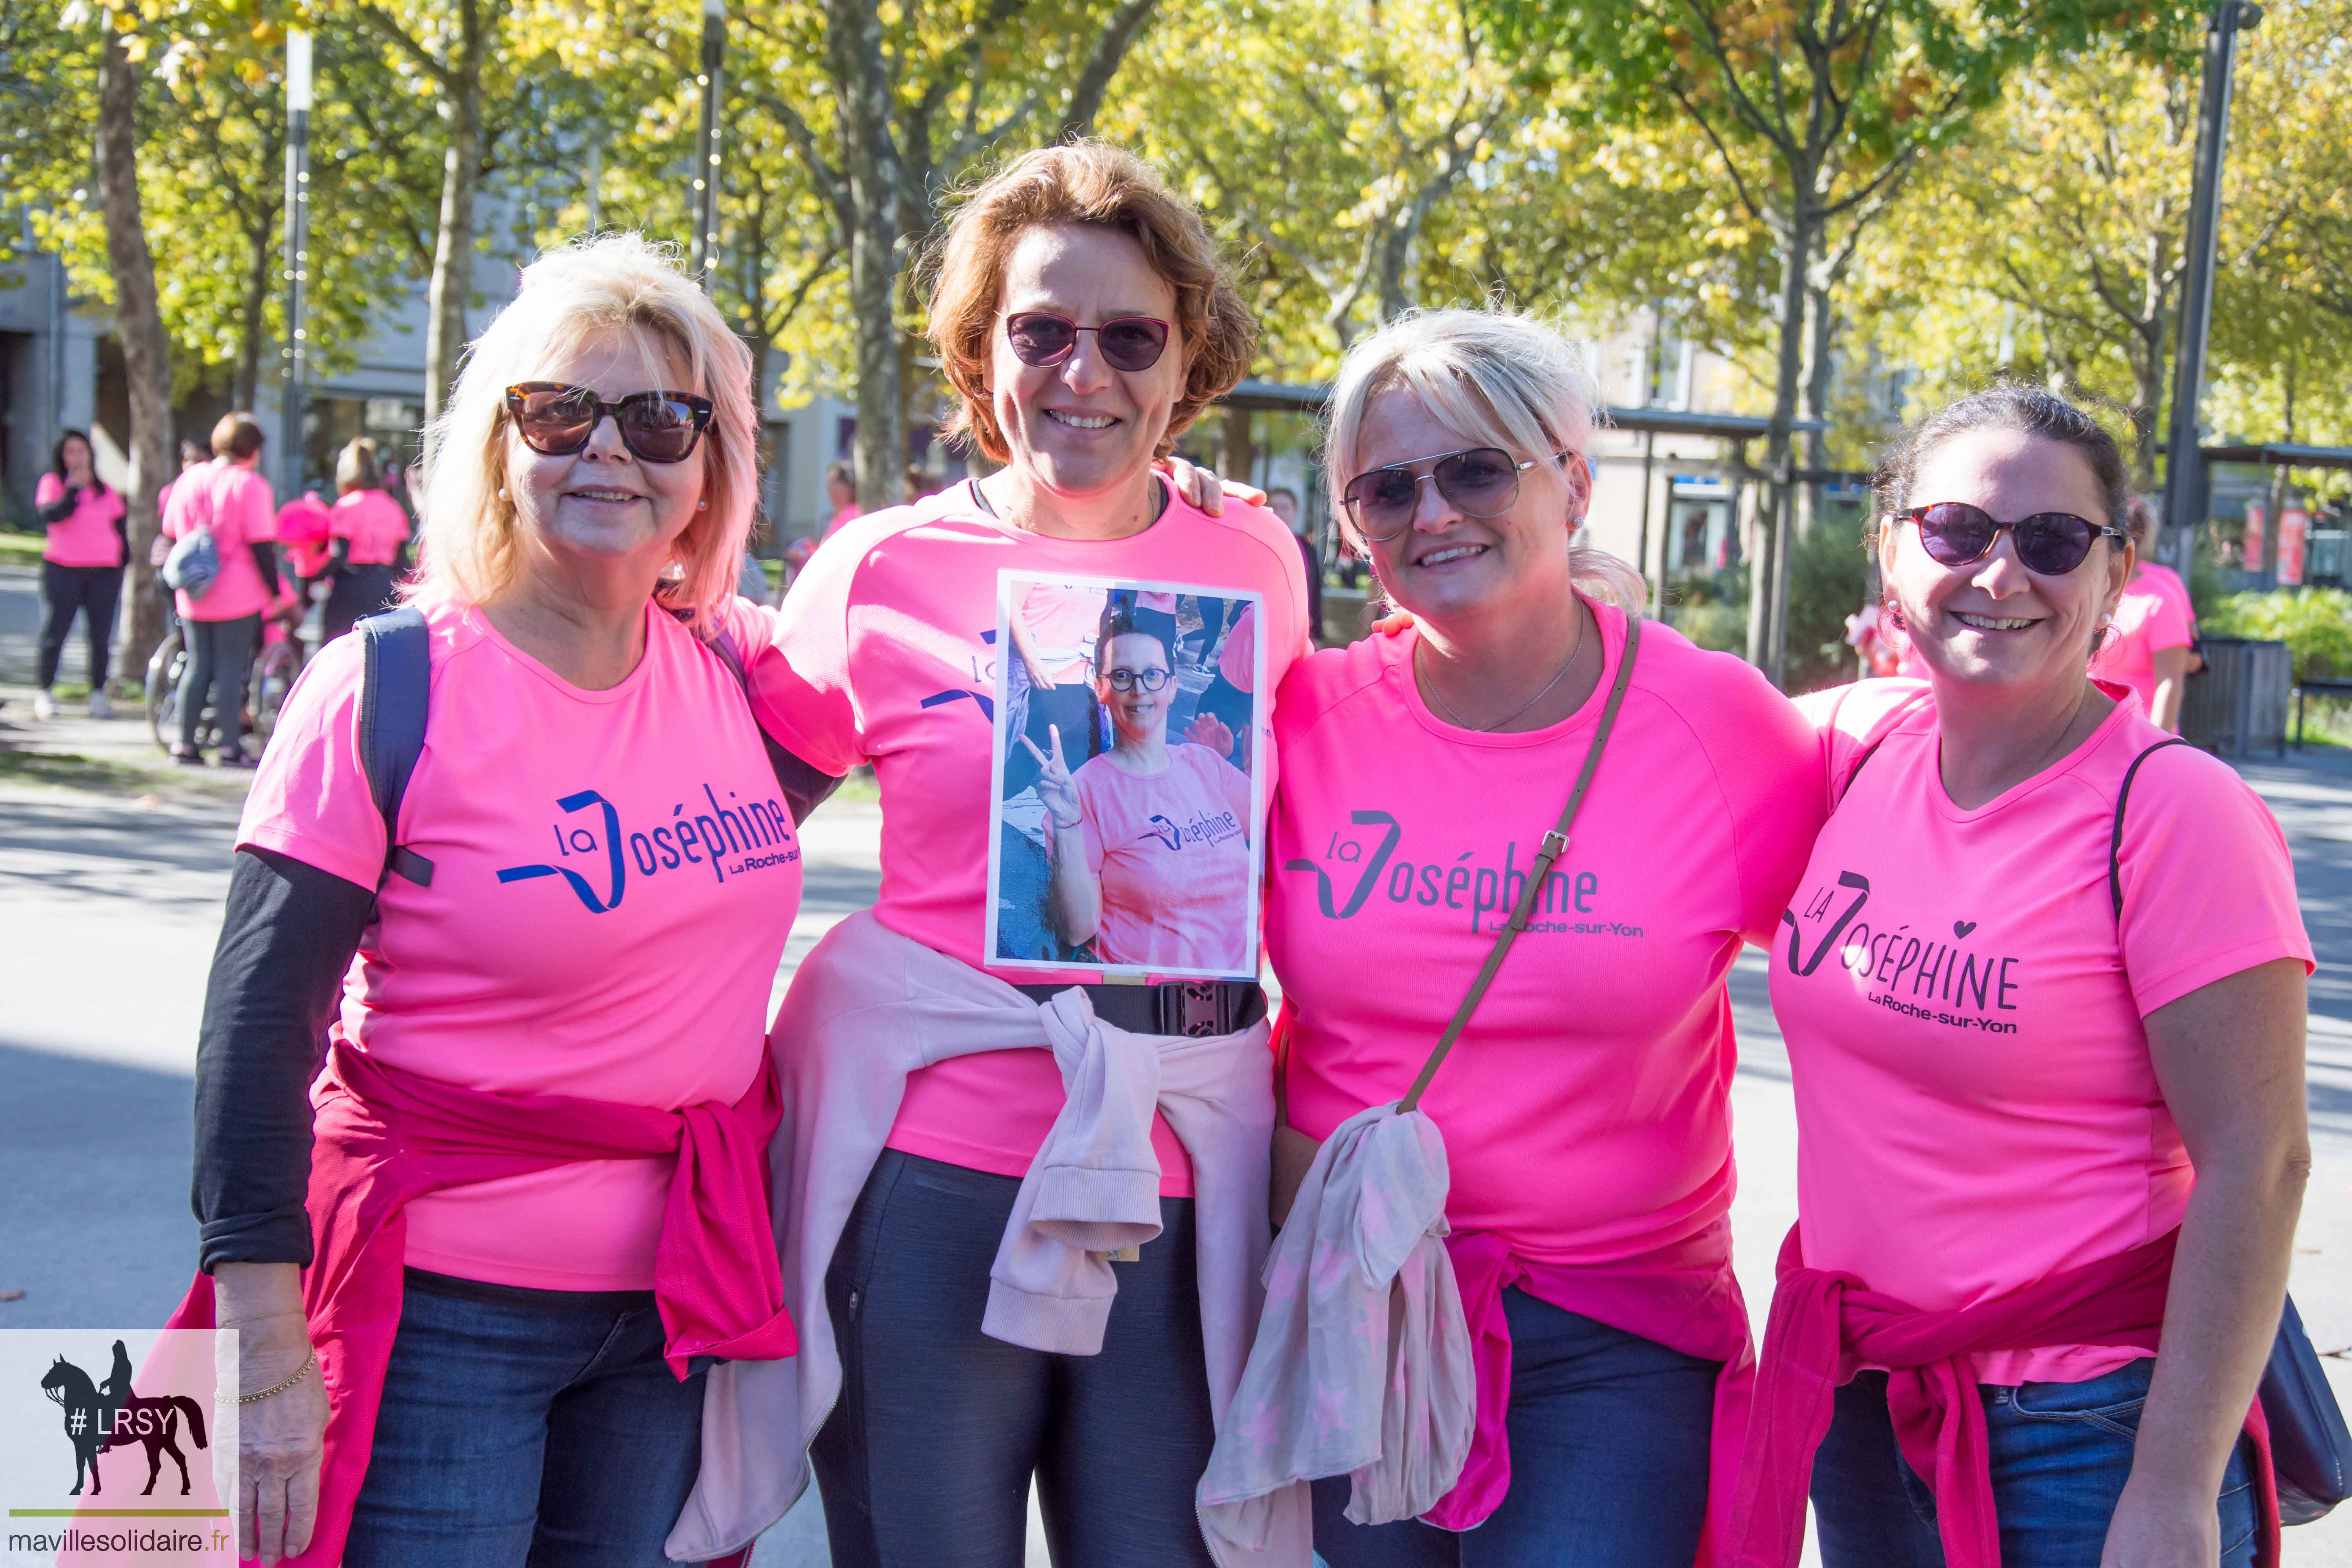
<point>1201,487</point>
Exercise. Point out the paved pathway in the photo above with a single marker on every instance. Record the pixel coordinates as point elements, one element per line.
<point>109,900</point>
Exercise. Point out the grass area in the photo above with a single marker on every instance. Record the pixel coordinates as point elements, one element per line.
<point>101,776</point>
<point>65,769</point>
<point>22,549</point>
<point>858,789</point>
<point>2327,721</point>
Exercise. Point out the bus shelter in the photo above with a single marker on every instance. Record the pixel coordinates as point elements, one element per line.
<point>1675,492</point>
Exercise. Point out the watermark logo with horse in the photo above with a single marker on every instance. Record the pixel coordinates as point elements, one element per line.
<point>79,1410</point>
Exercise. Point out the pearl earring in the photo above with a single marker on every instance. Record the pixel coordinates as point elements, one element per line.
<point>702,506</point>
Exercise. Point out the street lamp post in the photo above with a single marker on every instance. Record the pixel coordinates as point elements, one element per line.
<point>2184,476</point>
<point>297,269</point>
<point>705,160</point>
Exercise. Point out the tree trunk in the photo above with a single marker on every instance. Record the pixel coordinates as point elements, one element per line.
<point>1768,589</point>
<point>1237,449</point>
<point>1119,33</point>
<point>248,385</point>
<point>453,247</point>
<point>862,92</point>
<point>1821,340</point>
<point>146,353</point>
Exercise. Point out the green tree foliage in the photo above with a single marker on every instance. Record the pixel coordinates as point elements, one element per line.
<point>211,161</point>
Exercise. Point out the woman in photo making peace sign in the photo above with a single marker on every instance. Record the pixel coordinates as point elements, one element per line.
<point>1134,906</point>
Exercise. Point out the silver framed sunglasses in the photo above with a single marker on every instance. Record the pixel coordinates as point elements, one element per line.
<point>1480,481</point>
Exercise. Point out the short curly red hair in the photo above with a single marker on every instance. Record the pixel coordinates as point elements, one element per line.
<point>1081,183</point>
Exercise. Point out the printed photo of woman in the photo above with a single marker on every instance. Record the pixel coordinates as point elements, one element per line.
<point>1125,839</point>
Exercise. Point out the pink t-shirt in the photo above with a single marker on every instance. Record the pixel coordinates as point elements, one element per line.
<point>1173,853</point>
<point>374,524</point>
<point>237,504</point>
<point>1062,621</point>
<point>840,517</point>
<point>614,880</point>
<point>88,538</point>
<point>1234,660</point>
<point>1586,1109</point>
<point>1976,1106</point>
<point>890,659</point>
<point>2154,614</point>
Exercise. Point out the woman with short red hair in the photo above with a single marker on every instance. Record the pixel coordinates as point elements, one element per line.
<point>1082,314</point>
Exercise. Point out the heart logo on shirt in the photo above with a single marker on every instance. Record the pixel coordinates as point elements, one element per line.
<point>1962,928</point>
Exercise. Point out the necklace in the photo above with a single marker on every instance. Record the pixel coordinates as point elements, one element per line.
<point>1447,709</point>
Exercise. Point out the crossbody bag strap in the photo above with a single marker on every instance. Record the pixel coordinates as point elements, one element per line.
<point>1555,845</point>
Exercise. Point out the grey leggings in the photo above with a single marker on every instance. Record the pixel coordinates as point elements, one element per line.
<point>927,1457</point>
<point>220,654</point>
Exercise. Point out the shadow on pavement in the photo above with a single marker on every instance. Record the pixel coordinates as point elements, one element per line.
<point>97,1230</point>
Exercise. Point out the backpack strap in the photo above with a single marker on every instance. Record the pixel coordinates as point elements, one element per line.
<point>396,690</point>
<point>1555,845</point>
<point>2115,843</point>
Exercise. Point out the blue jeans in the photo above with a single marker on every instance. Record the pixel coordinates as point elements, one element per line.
<point>526,1426</point>
<point>2061,1454</point>
<point>927,1458</point>
<point>1609,1435</point>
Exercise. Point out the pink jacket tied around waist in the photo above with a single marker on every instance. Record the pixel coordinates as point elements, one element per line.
<point>1825,1327</point>
<point>1384,1354</point>
<point>868,1006</point>
<point>385,1137</point>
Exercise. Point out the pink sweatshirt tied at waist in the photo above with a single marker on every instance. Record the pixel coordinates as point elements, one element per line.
<point>1384,1353</point>
<point>385,1137</point>
<point>867,1007</point>
<point>1825,1327</point>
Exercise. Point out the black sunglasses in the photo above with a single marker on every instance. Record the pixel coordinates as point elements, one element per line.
<point>2050,544</point>
<point>556,420</point>
<point>1480,481</point>
<point>1041,338</point>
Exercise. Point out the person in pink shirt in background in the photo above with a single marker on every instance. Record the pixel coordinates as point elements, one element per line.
<point>223,625</point>
<point>1586,1109</point>
<point>501,1235</point>
<point>81,567</point>
<point>2042,987</point>
<point>841,494</point>
<point>366,531</point>
<point>1165,829</point>
<point>2150,644</point>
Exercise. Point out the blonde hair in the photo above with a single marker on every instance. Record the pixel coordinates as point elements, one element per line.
<point>1493,378</point>
<point>355,467</point>
<point>1093,184</point>
<point>474,536</point>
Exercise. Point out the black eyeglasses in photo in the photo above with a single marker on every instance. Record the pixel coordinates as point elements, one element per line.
<point>556,420</point>
<point>2049,544</point>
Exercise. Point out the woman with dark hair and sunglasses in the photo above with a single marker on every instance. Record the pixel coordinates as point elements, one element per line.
<point>1084,317</point>
<point>505,1230</point>
<point>2042,986</point>
<point>1586,1112</point>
